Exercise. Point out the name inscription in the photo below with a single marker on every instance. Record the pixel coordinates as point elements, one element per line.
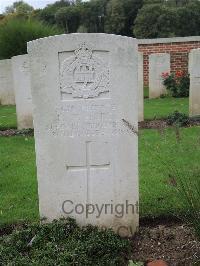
<point>89,118</point>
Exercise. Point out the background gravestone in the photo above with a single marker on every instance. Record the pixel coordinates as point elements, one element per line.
<point>7,96</point>
<point>194,70</point>
<point>158,64</point>
<point>22,87</point>
<point>85,98</point>
<point>140,87</point>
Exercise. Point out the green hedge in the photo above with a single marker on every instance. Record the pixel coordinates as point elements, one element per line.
<point>16,32</point>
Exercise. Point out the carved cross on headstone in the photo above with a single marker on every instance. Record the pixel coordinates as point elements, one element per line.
<point>88,167</point>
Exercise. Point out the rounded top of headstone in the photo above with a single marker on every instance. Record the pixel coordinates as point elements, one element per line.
<point>22,56</point>
<point>99,37</point>
<point>159,54</point>
<point>196,50</point>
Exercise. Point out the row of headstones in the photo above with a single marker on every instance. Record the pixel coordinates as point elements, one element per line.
<point>160,63</point>
<point>15,88</point>
<point>15,84</point>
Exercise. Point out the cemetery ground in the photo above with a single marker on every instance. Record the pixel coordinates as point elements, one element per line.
<point>165,156</point>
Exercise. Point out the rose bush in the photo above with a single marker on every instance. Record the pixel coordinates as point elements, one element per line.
<point>177,84</point>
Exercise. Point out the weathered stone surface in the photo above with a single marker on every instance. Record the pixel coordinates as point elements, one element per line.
<point>85,98</point>
<point>22,87</point>
<point>7,96</point>
<point>140,87</point>
<point>194,69</point>
<point>158,63</point>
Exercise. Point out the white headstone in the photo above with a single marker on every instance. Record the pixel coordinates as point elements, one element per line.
<point>158,64</point>
<point>7,96</point>
<point>194,67</point>
<point>22,86</point>
<point>85,98</point>
<point>140,87</point>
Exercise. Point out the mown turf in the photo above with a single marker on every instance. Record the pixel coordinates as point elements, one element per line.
<point>161,154</point>
<point>157,151</point>
<point>18,187</point>
<point>161,108</point>
<point>8,117</point>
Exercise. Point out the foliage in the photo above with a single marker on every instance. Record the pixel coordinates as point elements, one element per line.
<point>177,84</point>
<point>19,7</point>
<point>15,33</point>
<point>188,23</point>
<point>110,16</point>
<point>139,18</point>
<point>120,16</point>
<point>68,17</point>
<point>155,20</point>
<point>159,18</point>
<point>93,15</point>
<point>63,242</point>
<point>178,119</point>
<point>47,14</point>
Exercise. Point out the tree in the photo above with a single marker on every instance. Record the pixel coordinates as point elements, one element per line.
<point>69,18</point>
<point>120,16</point>
<point>188,20</point>
<point>93,15</point>
<point>19,7</point>
<point>154,21</point>
<point>115,14</point>
<point>48,13</point>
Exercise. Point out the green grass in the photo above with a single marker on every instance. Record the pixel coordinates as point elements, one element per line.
<point>158,153</point>
<point>146,92</point>
<point>8,117</point>
<point>18,184</point>
<point>161,108</point>
<point>18,196</point>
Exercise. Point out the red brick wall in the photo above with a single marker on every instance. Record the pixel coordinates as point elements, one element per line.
<point>178,50</point>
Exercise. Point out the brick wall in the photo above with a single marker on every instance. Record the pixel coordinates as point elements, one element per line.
<point>178,48</point>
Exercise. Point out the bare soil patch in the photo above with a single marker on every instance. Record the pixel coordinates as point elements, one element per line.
<point>162,124</point>
<point>16,132</point>
<point>174,243</point>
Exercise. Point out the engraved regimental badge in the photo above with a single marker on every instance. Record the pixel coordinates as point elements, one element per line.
<point>83,75</point>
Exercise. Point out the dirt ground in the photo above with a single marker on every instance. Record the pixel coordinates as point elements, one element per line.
<point>162,123</point>
<point>174,243</point>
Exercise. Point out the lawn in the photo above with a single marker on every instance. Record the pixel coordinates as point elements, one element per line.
<point>157,150</point>
<point>162,107</point>
<point>18,196</point>
<point>8,117</point>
